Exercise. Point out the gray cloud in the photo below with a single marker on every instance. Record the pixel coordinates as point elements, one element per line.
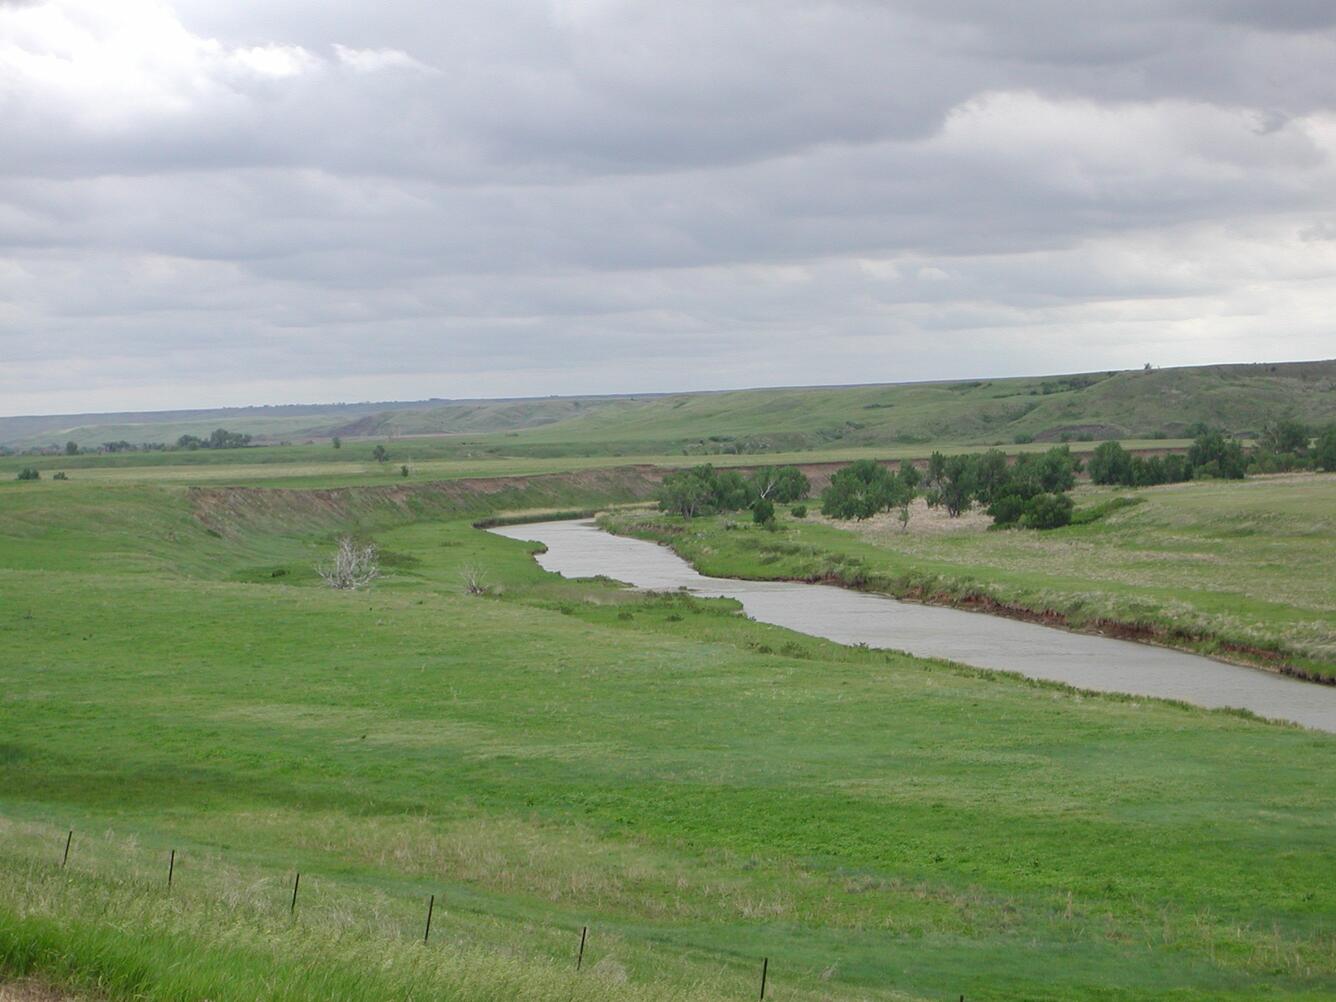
<point>207,203</point>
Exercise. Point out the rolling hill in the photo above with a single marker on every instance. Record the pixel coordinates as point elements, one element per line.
<point>1122,404</point>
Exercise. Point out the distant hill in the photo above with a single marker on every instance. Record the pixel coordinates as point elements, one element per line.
<point>1122,404</point>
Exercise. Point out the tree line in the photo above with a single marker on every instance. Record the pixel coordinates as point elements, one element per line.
<point>1032,491</point>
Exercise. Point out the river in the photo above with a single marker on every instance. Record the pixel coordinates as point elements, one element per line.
<point>581,549</point>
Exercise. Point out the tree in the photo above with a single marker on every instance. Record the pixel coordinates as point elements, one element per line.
<point>861,490</point>
<point>403,471</point>
<point>732,492</point>
<point>1324,451</point>
<point>28,473</point>
<point>1110,464</point>
<point>1213,455</point>
<point>354,565</point>
<point>936,469</point>
<point>336,442</point>
<point>71,448</point>
<point>380,454</point>
<point>990,476</point>
<point>1285,435</point>
<point>784,484</point>
<point>763,511</point>
<point>688,492</point>
<point>221,438</point>
<point>956,486</point>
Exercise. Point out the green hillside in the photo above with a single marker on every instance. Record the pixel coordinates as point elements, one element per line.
<point>1138,404</point>
<point>1129,404</point>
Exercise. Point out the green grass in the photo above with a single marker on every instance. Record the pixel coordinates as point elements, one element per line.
<point>1240,569</point>
<point>701,790</point>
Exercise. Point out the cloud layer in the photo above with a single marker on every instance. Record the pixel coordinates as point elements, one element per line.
<point>207,203</point>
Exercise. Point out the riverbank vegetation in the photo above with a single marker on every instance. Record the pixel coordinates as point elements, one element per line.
<point>701,791</point>
<point>1240,569</point>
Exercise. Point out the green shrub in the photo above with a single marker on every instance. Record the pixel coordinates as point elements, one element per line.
<point>1094,512</point>
<point>798,511</point>
<point>1047,511</point>
<point>29,473</point>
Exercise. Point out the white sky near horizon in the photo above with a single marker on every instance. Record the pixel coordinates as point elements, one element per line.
<point>207,204</point>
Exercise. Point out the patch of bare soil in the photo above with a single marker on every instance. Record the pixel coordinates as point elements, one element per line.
<point>34,991</point>
<point>923,521</point>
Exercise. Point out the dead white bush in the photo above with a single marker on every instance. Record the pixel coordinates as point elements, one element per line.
<point>475,581</point>
<point>355,565</point>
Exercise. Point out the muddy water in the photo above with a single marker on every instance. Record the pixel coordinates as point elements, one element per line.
<point>579,549</point>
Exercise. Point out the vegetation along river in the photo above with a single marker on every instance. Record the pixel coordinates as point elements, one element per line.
<point>581,549</point>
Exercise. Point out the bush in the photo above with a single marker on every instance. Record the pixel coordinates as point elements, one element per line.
<point>60,476</point>
<point>798,511</point>
<point>763,512</point>
<point>29,473</point>
<point>1047,511</point>
<point>1007,509</point>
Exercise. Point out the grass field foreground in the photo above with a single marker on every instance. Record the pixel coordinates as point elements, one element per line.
<point>700,790</point>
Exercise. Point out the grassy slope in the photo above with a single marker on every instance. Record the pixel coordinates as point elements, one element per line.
<point>1123,404</point>
<point>1222,563</point>
<point>298,422</point>
<point>701,790</point>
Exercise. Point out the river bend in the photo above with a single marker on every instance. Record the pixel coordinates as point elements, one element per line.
<point>581,549</point>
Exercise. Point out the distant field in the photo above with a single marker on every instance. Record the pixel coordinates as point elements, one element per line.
<point>700,790</point>
<point>1208,565</point>
<point>1125,404</point>
<point>321,466</point>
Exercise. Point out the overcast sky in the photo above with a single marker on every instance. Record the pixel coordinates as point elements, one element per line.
<point>210,202</point>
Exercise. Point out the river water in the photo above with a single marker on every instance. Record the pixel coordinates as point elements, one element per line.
<point>580,549</point>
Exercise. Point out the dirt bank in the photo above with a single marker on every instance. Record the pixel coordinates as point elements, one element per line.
<point>231,510</point>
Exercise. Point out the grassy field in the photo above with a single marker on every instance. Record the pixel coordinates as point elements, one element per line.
<point>428,459</point>
<point>701,791</point>
<point>1234,568</point>
<point>1127,405</point>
